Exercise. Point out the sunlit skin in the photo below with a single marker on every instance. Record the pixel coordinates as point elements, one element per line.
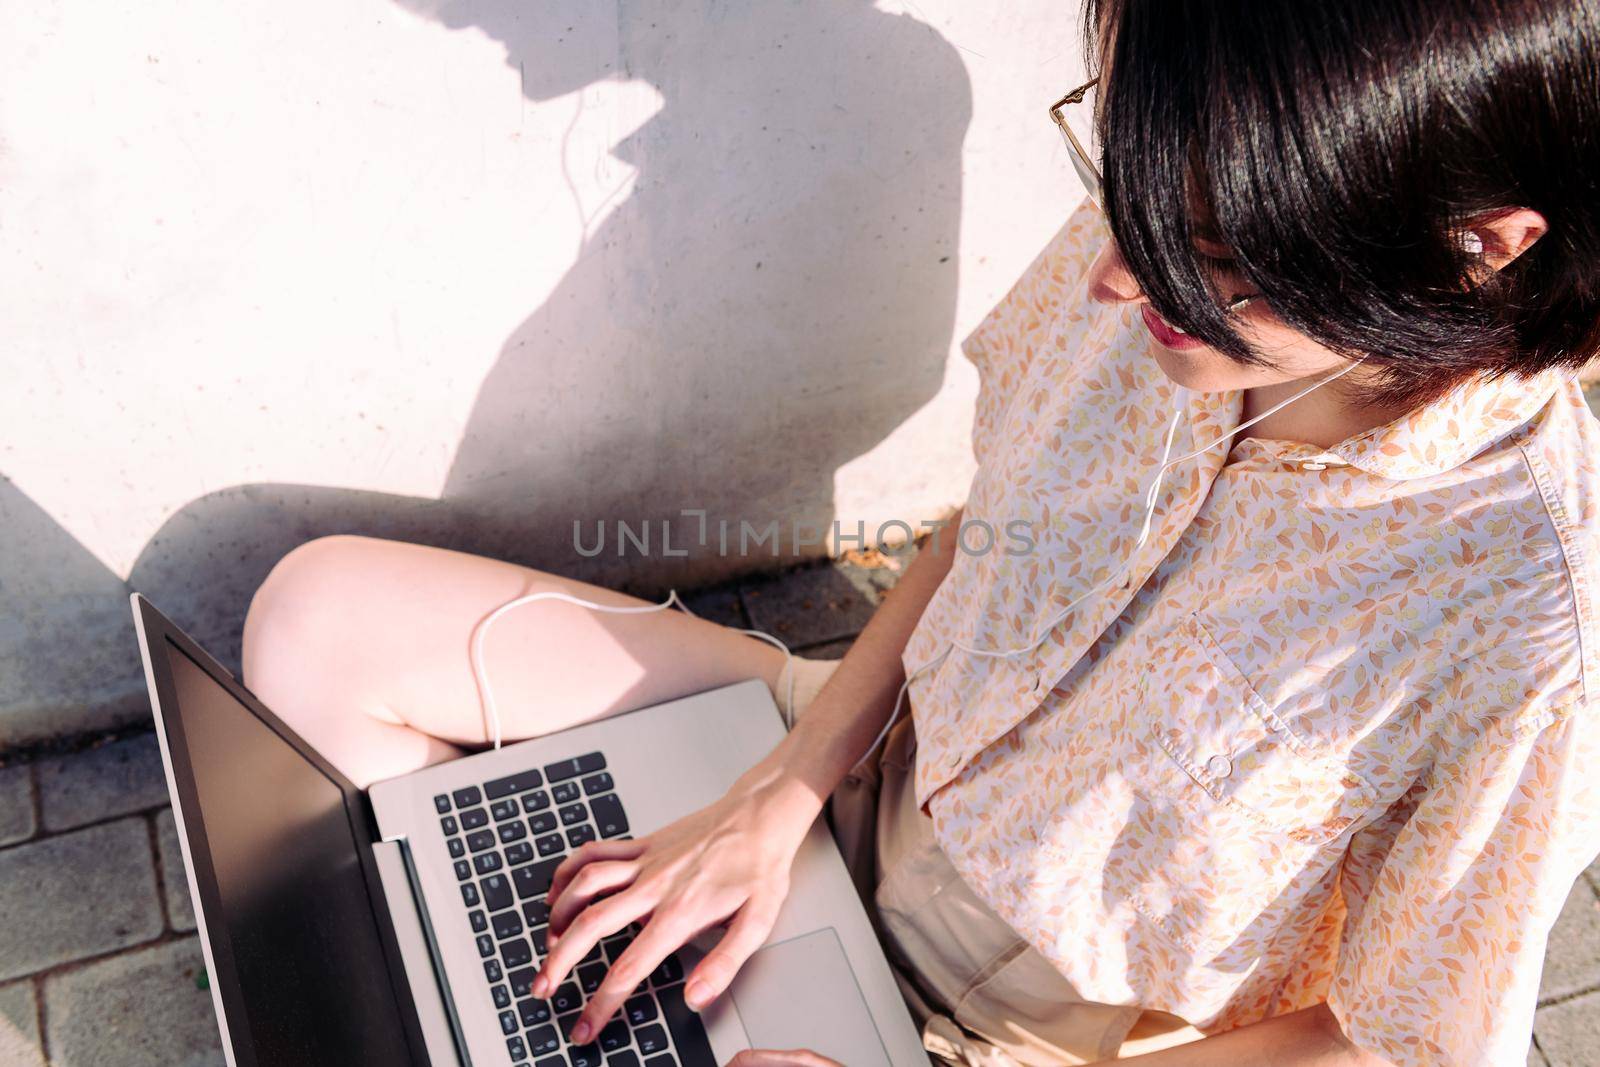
<point>1324,417</point>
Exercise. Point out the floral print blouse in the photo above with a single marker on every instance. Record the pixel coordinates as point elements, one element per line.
<point>1330,734</point>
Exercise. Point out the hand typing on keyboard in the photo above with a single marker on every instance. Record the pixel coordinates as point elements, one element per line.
<point>727,863</point>
<point>507,840</point>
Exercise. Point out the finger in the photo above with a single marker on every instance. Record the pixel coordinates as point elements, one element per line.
<point>588,883</point>
<point>599,920</point>
<point>664,935</point>
<point>589,853</point>
<point>748,932</point>
<point>768,1057</point>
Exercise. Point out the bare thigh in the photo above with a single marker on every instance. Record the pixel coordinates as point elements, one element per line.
<point>362,646</point>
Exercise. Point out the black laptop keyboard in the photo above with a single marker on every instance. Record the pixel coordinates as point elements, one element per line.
<point>506,840</point>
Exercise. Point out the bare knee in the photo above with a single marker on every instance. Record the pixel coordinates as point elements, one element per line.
<point>297,607</point>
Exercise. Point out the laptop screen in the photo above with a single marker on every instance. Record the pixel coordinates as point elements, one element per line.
<point>298,951</point>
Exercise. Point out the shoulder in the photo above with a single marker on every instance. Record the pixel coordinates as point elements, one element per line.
<point>1045,288</point>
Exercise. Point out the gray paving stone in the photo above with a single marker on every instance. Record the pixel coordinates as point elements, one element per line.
<point>1572,956</point>
<point>111,780</point>
<point>77,895</point>
<point>139,1009</point>
<point>719,603</point>
<point>1569,1032</point>
<point>180,909</point>
<point>19,1026</point>
<point>811,605</point>
<point>828,649</point>
<point>16,803</point>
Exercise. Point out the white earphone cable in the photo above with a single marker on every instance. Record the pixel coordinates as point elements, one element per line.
<point>480,674</point>
<point>479,632</point>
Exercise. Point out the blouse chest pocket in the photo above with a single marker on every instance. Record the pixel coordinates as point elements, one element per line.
<point>1206,717</point>
<point>1235,815</point>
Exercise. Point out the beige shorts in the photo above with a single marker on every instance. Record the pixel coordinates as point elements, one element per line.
<point>980,993</point>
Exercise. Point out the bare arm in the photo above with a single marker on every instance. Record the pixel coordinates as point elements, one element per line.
<point>852,707</point>
<point>1307,1038</point>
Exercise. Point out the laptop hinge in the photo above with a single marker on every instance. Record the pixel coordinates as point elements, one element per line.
<point>441,1029</point>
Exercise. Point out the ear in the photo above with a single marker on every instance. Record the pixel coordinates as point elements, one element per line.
<point>1507,234</point>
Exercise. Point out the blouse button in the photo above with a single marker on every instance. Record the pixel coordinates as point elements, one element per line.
<point>1313,465</point>
<point>1219,766</point>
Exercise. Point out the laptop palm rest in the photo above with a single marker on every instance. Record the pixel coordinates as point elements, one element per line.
<point>801,993</point>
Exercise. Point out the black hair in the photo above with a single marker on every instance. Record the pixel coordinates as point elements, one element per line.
<point>1337,149</point>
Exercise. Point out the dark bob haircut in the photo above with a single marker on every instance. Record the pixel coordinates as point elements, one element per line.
<point>1339,149</point>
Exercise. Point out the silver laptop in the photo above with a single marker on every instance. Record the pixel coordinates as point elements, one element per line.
<point>404,924</point>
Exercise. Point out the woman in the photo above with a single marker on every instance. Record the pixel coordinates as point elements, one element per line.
<point>1284,756</point>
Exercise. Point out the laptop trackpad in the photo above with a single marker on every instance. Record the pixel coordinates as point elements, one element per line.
<point>802,993</point>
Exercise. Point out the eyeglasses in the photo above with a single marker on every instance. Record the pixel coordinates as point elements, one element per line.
<point>1079,128</point>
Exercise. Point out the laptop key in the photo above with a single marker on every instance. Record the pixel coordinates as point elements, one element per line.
<point>651,1039</point>
<point>549,845</point>
<point>614,1036</point>
<point>516,952</point>
<point>543,823</point>
<point>503,809</point>
<point>573,814</point>
<point>542,1040</point>
<point>508,1022</point>
<point>518,1050</point>
<point>622,1059</point>
<point>535,801</point>
<point>449,826</point>
<point>598,783</point>
<point>579,836</point>
<point>480,840</point>
<point>608,815</point>
<point>566,999</point>
<point>553,1061</point>
<point>585,1056</point>
<point>590,977</point>
<point>537,912</point>
<point>479,921</point>
<point>660,1061</point>
<point>467,797</point>
<point>457,849</point>
<point>534,880</point>
<point>640,1010</point>
<point>533,1012</point>
<point>501,995</point>
<point>571,768</point>
<point>506,924</point>
<point>516,783</point>
<point>668,972</point>
<point>474,819</point>
<point>512,831</point>
<point>540,940</point>
<point>496,892</point>
<point>565,793</point>
<point>688,1032</point>
<point>463,870</point>
<point>522,981</point>
<point>492,971</point>
<point>521,852</point>
<point>485,945</point>
<point>441,803</point>
<point>469,895</point>
<point>486,862</point>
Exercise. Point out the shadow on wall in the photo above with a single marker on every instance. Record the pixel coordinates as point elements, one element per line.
<point>838,307</point>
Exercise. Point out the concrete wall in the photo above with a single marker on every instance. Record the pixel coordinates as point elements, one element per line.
<point>467,272</point>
